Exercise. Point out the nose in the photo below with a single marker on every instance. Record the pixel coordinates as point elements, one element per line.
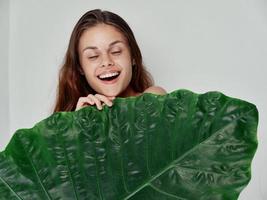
<point>106,61</point>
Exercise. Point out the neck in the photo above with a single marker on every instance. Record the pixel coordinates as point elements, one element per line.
<point>129,92</point>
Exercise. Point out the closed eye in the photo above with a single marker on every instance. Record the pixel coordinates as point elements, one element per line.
<point>116,52</point>
<point>92,57</point>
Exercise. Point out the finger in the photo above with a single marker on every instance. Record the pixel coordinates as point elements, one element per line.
<point>90,99</point>
<point>96,101</point>
<point>111,98</point>
<point>82,102</point>
<point>104,99</point>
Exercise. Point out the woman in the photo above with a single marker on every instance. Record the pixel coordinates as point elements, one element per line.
<point>102,62</point>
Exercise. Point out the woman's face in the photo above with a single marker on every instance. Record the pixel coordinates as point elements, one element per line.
<point>105,59</point>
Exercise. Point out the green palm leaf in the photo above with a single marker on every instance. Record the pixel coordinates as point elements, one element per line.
<point>181,145</point>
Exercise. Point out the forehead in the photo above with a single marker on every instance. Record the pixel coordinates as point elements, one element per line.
<point>100,35</point>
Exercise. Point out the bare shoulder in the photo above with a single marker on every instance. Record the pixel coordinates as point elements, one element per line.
<point>156,90</point>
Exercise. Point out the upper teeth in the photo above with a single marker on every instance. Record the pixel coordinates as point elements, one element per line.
<point>108,75</point>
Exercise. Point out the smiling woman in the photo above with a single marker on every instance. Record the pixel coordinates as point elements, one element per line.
<point>102,62</point>
<point>106,66</point>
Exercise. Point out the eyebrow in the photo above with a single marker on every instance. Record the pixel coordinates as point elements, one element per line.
<point>111,44</point>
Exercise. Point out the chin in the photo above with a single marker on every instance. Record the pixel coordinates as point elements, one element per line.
<point>110,93</point>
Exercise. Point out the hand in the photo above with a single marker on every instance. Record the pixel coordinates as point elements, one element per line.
<point>96,99</point>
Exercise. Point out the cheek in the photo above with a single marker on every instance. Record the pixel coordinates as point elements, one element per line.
<point>90,77</point>
<point>126,63</point>
<point>124,59</point>
<point>87,67</point>
<point>128,72</point>
<point>89,73</point>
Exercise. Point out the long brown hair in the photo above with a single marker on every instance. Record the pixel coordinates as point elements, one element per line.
<point>72,84</point>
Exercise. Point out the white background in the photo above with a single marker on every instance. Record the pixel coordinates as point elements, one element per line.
<point>202,46</point>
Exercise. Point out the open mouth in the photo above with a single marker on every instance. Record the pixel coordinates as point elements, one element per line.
<point>109,77</point>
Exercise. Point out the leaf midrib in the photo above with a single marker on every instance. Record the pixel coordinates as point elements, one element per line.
<point>172,164</point>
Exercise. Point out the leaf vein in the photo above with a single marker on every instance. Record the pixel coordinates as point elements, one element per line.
<point>97,175</point>
<point>166,193</point>
<point>10,188</point>
<point>37,175</point>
